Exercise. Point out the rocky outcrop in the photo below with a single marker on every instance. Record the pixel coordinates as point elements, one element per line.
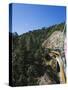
<point>56,40</point>
<point>34,56</point>
<point>56,45</point>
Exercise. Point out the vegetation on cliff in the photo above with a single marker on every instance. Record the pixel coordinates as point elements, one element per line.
<point>29,58</point>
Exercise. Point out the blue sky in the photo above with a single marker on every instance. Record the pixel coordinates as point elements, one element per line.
<point>26,17</point>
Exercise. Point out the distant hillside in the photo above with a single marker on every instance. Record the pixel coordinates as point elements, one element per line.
<point>30,62</point>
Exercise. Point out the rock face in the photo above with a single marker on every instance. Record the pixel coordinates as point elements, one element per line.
<point>44,80</point>
<point>56,40</point>
<point>31,63</point>
<point>56,43</point>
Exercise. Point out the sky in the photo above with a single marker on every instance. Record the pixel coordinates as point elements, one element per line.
<point>28,17</point>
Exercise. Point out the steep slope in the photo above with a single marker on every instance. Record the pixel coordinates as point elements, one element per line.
<point>30,61</point>
<point>56,40</point>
